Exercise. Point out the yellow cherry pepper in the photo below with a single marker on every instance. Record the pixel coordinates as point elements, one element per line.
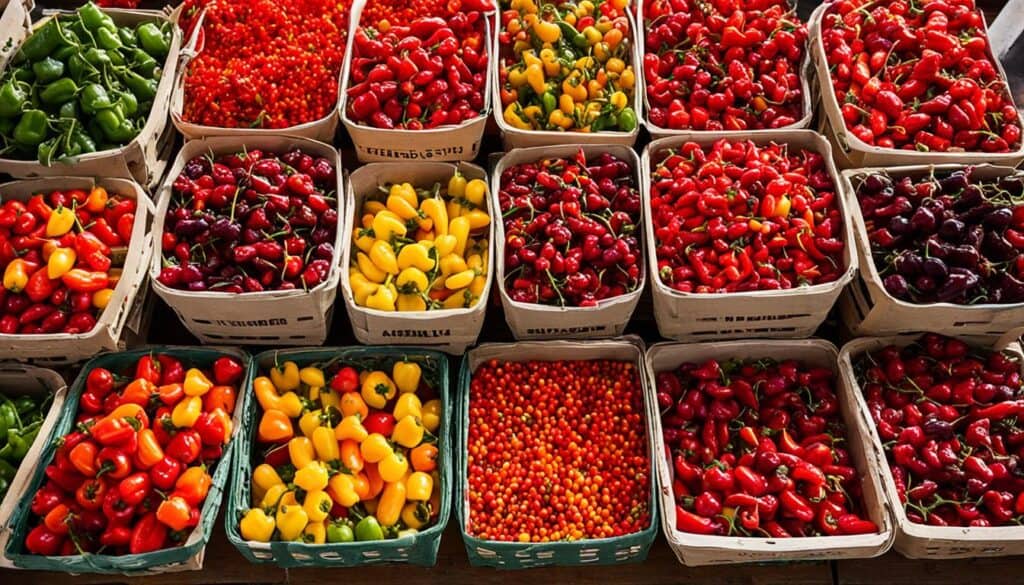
<point>392,500</point>
<point>435,209</point>
<point>411,302</point>
<point>275,426</point>
<point>325,444</point>
<point>257,526</point>
<point>61,221</point>
<point>315,533</point>
<point>512,117</point>
<point>432,415</point>
<point>384,298</point>
<point>311,477</point>
<point>476,288</point>
<point>459,280</point>
<point>16,275</point>
<point>343,489</point>
<point>362,288</point>
<point>547,32</point>
<point>383,257</point>
<point>407,404</point>
<point>408,432</point>
<point>393,467</point>
<point>329,398</point>
<point>318,505</point>
<point>61,260</point>
<point>377,389</point>
<point>387,225</point>
<point>452,264</point>
<point>459,227</point>
<point>291,521</point>
<point>312,377</point>
<point>406,376</point>
<point>375,448</point>
<point>285,376</point>
<point>351,427</point>
<point>535,77</point>
<point>300,452</point>
<point>415,256</point>
<point>418,486</point>
<point>186,412</point>
<point>196,382</point>
<point>412,280</point>
<point>415,514</point>
<point>406,191</point>
<point>266,477</point>
<point>476,192</point>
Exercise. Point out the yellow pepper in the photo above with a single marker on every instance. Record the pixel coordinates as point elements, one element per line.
<point>101,298</point>
<point>384,298</point>
<point>435,209</point>
<point>457,300</point>
<point>318,505</point>
<point>535,77</point>
<point>459,280</point>
<point>285,376</point>
<point>575,86</point>
<point>186,412</point>
<point>196,382</point>
<point>456,186</point>
<point>288,499</point>
<point>275,426</point>
<point>478,218</point>
<point>406,376</point>
<point>329,398</point>
<point>351,427</point>
<point>550,61</point>
<point>371,207</point>
<point>375,448</point>
<point>61,260</point>
<point>412,280</point>
<point>312,377</point>
<point>387,225</point>
<point>392,500</point>
<point>476,192</point>
<point>516,78</point>
<point>627,79</point>
<point>453,264</point>
<point>432,415</point>
<point>291,521</point>
<point>415,514</point>
<point>266,394</point>
<point>315,533</point>
<point>560,120</point>
<point>476,288</point>
<point>619,100</point>
<point>370,270</point>
<point>362,288</point>
<point>377,389</point>
<point>363,239</point>
<point>16,275</point>
<point>400,206</point>
<point>61,221</point>
<point>300,452</point>
<point>312,476</point>
<point>407,404</point>
<point>408,432</point>
<point>460,227</point>
<point>411,302</point>
<point>418,486</point>
<point>415,256</point>
<point>445,245</point>
<point>291,405</point>
<point>343,489</point>
<point>393,467</point>
<point>273,496</point>
<point>512,118</point>
<point>383,257</point>
<point>265,477</point>
<point>547,32</point>
<point>257,526</point>
<point>325,444</point>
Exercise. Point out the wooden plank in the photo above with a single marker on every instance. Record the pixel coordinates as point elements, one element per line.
<point>893,568</point>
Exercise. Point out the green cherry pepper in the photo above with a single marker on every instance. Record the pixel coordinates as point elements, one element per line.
<point>47,70</point>
<point>114,125</point>
<point>59,92</point>
<point>155,41</point>
<point>94,19</point>
<point>77,67</point>
<point>369,529</point>
<point>627,120</point>
<point>12,99</point>
<point>32,128</point>
<point>94,98</point>
<point>42,42</point>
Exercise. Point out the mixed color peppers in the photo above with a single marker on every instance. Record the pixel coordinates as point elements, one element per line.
<point>918,75</point>
<point>420,249</point>
<point>948,237</point>
<point>571,230</point>
<point>724,64</point>
<point>251,221</point>
<point>21,418</point>
<point>133,473</point>
<point>80,84</point>
<point>567,66</point>
<point>947,414</point>
<point>61,255</point>
<point>557,451</point>
<point>264,64</point>
<point>735,216</point>
<point>756,449</point>
<point>349,452</point>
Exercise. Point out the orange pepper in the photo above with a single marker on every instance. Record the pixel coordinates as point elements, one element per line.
<point>376,483</point>
<point>131,410</point>
<point>193,485</point>
<point>174,513</point>
<point>362,485</point>
<point>275,427</point>
<point>353,403</point>
<point>149,452</point>
<point>220,397</point>
<point>424,457</point>
<point>171,394</point>
<point>83,458</point>
<point>351,457</point>
<point>138,391</point>
<point>97,200</point>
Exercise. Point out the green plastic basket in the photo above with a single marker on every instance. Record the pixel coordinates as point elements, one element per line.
<point>188,556</point>
<point>420,549</point>
<point>629,548</point>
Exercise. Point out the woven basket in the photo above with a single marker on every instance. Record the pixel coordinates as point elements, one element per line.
<point>186,557</point>
<point>420,549</point>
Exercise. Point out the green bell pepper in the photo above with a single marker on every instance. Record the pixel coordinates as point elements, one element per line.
<point>108,39</point>
<point>59,91</point>
<point>154,40</point>
<point>42,42</point>
<point>64,53</point>
<point>24,74</point>
<point>94,19</point>
<point>32,128</point>
<point>77,67</point>
<point>68,110</point>
<point>18,442</point>
<point>114,125</point>
<point>12,99</point>
<point>94,98</point>
<point>549,101</point>
<point>47,70</point>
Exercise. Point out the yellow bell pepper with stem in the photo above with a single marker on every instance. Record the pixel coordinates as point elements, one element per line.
<point>196,382</point>
<point>476,192</point>
<point>187,412</point>
<point>377,389</point>
<point>415,256</point>
<point>408,432</point>
<point>457,185</point>
<point>256,526</point>
<point>407,404</point>
<point>266,477</point>
<point>415,514</point>
<point>351,427</point>
<point>309,421</point>
<point>285,376</point>
<point>325,445</point>
<point>383,257</point>
<point>300,452</point>
<point>412,280</point>
<point>384,298</point>
<point>419,486</point>
<point>291,521</point>
<point>62,219</point>
<point>60,261</point>
<point>387,225</point>
<point>363,239</point>
<point>406,375</point>
<point>393,467</point>
<point>315,533</point>
<point>317,505</point>
<point>273,496</point>
<point>343,489</point>
<point>311,477</point>
<point>375,448</point>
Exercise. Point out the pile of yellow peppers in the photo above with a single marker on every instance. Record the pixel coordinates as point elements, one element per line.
<point>422,249</point>
<point>570,67</point>
<point>352,455</point>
